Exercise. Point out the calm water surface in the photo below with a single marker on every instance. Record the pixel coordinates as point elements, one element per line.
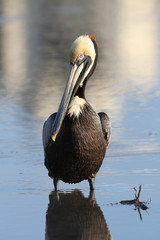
<point>35,37</point>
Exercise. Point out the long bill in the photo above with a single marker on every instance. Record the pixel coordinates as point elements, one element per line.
<point>76,74</point>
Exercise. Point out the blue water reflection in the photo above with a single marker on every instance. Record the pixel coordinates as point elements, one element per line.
<point>35,38</point>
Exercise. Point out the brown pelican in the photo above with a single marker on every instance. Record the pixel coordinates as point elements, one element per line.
<point>75,138</point>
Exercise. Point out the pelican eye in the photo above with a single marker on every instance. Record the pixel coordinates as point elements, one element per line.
<point>80,56</point>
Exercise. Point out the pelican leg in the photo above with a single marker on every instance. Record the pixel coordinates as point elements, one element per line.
<point>55,182</point>
<point>91,196</point>
<point>91,183</point>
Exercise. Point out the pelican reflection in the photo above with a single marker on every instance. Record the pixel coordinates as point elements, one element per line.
<point>73,216</point>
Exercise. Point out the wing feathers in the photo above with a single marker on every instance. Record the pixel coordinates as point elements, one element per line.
<point>106,125</point>
<point>47,128</point>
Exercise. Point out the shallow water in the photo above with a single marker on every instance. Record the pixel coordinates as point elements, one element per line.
<point>35,37</point>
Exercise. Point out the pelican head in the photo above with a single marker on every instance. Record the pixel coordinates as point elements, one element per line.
<point>83,58</point>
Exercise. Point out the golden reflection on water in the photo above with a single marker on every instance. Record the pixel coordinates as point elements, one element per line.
<point>35,48</point>
<point>138,43</point>
<point>13,44</point>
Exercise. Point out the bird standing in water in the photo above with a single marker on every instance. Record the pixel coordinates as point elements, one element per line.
<point>75,138</point>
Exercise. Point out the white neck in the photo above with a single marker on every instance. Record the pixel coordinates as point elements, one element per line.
<point>76,106</point>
